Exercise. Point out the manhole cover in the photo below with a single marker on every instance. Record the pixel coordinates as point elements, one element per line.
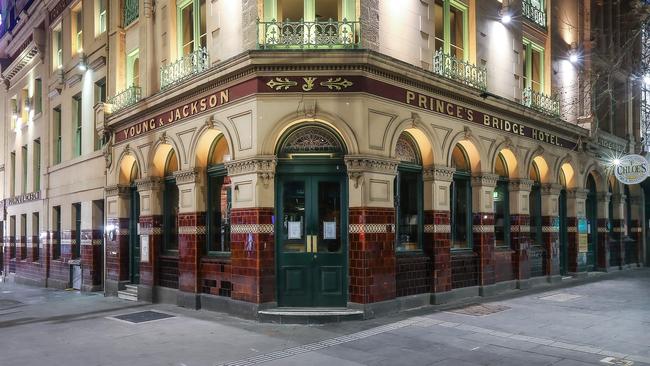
<point>480,309</point>
<point>616,361</point>
<point>561,297</point>
<point>8,304</point>
<point>143,317</point>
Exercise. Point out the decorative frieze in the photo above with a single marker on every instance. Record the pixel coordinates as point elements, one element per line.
<point>191,230</point>
<point>150,231</point>
<point>485,180</point>
<point>263,166</point>
<point>371,228</point>
<point>187,176</point>
<point>483,228</point>
<point>550,229</point>
<point>520,228</point>
<point>364,163</point>
<point>149,184</point>
<point>551,189</point>
<point>251,229</point>
<point>520,185</point>
<point>439,173</point>
<point>116,190</point>
<point>577,193</point>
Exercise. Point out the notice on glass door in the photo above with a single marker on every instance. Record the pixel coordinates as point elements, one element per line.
<point>144,248</point>
<point>329,230</point>
<point>294,230</point>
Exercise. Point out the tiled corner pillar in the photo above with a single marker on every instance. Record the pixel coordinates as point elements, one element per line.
<point>191,234</point>
<point>371,229</point>
<point>617,243</point>
<point>576,212</point>
<point>91,246</point>
<point>117,241</point>
<point>437,225</point>
<point>483,226</point>
<point>150,190</point>
<point>636,228</point>
<point>551,228</point>
<point>252,241</point>
<point>603,250</point>
<point>520,228</point>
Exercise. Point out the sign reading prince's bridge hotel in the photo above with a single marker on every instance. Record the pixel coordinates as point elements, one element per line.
<point>631,169</point>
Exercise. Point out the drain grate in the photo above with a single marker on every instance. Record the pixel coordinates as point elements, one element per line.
<point>143,317</point>
<point>616,361</point>
<point>561,297</point>
<point>480,309</point>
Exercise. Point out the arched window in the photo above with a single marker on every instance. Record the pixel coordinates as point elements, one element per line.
<point>311,141</point>
<point>408,194</point>
<point>170,205</point>
<point>535,206</point>
<point>219,199</point>
<point>461,200</point>
<point>501,201</point>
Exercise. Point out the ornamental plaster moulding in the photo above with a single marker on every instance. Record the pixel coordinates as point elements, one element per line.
<point>117,190</point>
<point>362,163</point>
<point>186,176</point>
<point>551,189</point>
<point>521,185</point>
<point>485,180</point>
<point>439,173</point>
<point>578,193</point>
<point>257,164</point>
<point>149,184</point>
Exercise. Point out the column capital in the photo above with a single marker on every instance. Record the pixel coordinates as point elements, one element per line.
<point>485,180</point>
<point>149,184</point>
<point>187,176</point>
<point>262,165</point>
<point>520,185</point>
<point>577,193</point>
<point>551,189</point>
<point>116,190</point>
<point>439,173</point>
<point>368,163</point>
<point>617,198</point>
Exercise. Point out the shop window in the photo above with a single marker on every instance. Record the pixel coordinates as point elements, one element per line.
<point>23,236</point>
<point>37,165</point>
<point>56,220</point>
<point>76,216</point>
<point>192,34</point>
<point>408,195</point>
<point>76,127</point>
<point>535,207</point>
<point>56,126</point>
<point>77,29</point>
<point>23,158</point>
<point>533,66</point>
<point>57,49</point>
<point>501,204</point>
<point>219,200</point>
<point>170,205</point>
<point>451,28</point>
<point>133,68</point>
<point>461,201</point>
<point>36,224</point>
<point>12,233</point>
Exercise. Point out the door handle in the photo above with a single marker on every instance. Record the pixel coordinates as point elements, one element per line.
<point>314,244</point>
<point>308,243</point>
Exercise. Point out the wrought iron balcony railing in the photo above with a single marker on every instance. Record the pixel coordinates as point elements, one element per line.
<point>183,68</point>
<point>533,12</point>
<point>541,102</point>
<point>301,34</point>
<point>131,11</point>
<point>124,99</point>
<point>460,71</point>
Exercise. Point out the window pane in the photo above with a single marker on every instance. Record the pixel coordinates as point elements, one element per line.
<point>293,222</point>
<point>187,29</point>
<point>501,208</point>
<point>439,23</point>
<point>328,9</point>
<point>536,70</point>
<point>534,203</point>
<point>220,203</point>
<point>456,35</point>
<point>329,217</point>
<point>460,212</point>
<point>291,9</point>
<point>202,31</point>
<point>524,65</point>
<point>170,222</point>
<point>408,228</point>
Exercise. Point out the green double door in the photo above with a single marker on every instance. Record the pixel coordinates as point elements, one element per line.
<point>311,227</point>
<point>134,237</point>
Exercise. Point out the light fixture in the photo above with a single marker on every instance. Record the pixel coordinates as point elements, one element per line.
<point>82,62</point>
<point>573,58</point>
<point>574,54</point>
<point>505,15</point>
<point>616,161</point>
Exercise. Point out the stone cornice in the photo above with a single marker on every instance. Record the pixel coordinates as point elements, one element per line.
<point>439,173</point>
<point>485,180</point>
<point>367,163</point>
<point>116,190</point>
<point>187,176</point>
<point>521,185</point>
<point>149,184</point>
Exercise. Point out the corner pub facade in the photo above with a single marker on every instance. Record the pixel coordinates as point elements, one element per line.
<point>362,154</point>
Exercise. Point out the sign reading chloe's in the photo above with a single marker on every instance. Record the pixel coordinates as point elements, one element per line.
<point>631,169</point>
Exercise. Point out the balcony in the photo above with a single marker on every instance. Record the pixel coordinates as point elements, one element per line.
<point>131,11</point>
<point>533,13</point>
<point>301,34</point>
<point>460,71</point>
<point>124,99</point>
<point>184,68</point>
<point>541,102</point>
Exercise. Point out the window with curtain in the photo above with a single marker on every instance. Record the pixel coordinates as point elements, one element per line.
<point>76,120</point>
<point>56,126</point>
<point>451,28</point>
<point>461,200</point>
<point>133,68</point>
<point>533,66</point>
<point>219,200</point>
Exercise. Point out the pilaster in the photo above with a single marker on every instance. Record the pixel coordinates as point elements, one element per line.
<point>519,191</point>
<point>150,190</point>
<point>577,228</point>
<point>551,228</point>
<point>483,225</point>
<point>437,227</point>
<point>117,237</point>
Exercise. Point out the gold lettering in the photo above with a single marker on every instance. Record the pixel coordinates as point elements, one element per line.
<point>126,134</point>
<point>431,103</point>
<point>160,122</point>
<point>507,125</point>
<point>138,129</point>
<point>470,115</point>
<point>422,101</point>
<point>152,123</point>
<point>459,112</point>
<point>171,117</point>
<point>450,109</point>
<point>132,131</point>
<point>203,104</point>
<point>177,114</point>
<point>410,96</point>
<point>193,108</point>
<point>213,101</point>
<point>486,120</point>
<point>521,130</point>
<point>495,122</point>
<point>535,133</point>
<point>440,106</point>
<point>225,97</point>
<point>186,109</point>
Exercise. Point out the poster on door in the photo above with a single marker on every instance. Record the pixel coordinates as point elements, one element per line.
<point>583,236</point>
<point>329,230</point>
<point>144,248</point>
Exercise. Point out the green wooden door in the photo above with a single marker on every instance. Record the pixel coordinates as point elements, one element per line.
<point>564,235</point>
<point>134,238</point>
<point>311,240</point>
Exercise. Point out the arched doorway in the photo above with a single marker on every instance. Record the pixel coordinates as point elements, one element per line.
<point>563,227</point>
<point>536,252</point>
<point>311,225</point>
<point>461,200</point>
<point>501,199</point>
<point>591,208</point>
<point>408,195</point>
<point>129,172</point>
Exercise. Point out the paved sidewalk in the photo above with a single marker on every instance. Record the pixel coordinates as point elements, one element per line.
<point>588,324</point>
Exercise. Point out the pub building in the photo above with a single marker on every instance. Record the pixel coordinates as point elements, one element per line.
<point>359,155</point>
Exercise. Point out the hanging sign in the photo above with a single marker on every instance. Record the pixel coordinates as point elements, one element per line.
<point>631,169</point>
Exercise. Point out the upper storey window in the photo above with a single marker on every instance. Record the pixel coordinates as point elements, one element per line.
<point>451,24</point>
<point>77,29</point>
<point>533,66</point>
<point>102,19</point>
<point>309,10</point>
<point>57,47</point>
<point>192,34</point>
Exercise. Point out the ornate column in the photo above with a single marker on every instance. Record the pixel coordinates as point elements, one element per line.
<point>191,235</point>
<point>117,238</point>
<point>252,240</point>
<point>371,228</point>
<point>437,228</point>
<point>520,229</point>
<point>483,228</point>
<point>551,230</point>
<point>606,241</point>
<point>150,190</point>
<point>577,228</point>
<point>149,64</point>
<point>617,244</point>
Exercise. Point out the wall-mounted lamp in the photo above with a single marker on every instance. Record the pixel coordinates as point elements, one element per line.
<point>574,54</point>
<point>82,62</point>
<point>505,14</point>
<point>28,104</point>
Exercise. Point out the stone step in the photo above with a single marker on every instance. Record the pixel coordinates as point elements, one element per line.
<point>127,295</point>
<point>308,315</point>
<point>132,288</point>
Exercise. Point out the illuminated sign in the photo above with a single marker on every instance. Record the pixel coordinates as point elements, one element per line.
<point>631,169</point>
